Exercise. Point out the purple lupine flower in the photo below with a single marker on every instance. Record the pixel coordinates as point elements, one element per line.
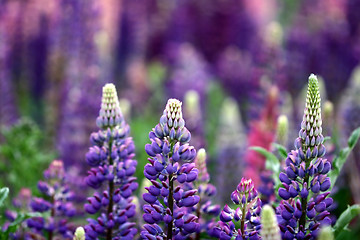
<point>304,207</point>
<point>170,166</point>
<point>73,40</point>
<point>231,142</point>
<point>8,113</point>
<point>266,187</point>
<point>248,214</point>
<point>189,72</point>
<point>113,166</point>
<point>57,201</point>
<point>204,209</point>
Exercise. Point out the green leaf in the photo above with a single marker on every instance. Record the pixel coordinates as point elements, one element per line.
<point>327,138</point>
<point>13,226</point>
<point>340,160</point>
<point>281,150</point>
<point>4,192</point>
<point>272,162</point>
<point>345,218</point>
<point>354,137</point>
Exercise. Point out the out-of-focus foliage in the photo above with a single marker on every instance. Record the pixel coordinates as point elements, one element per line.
<point>24,154</point>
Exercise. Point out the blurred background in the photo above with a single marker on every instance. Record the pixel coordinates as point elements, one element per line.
<point>237,65</point>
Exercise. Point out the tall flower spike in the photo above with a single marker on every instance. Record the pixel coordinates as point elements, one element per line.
<point>248,212</point>
<point>170,167</point>
<point>304,208</point>
<point>269,225</point>
<point>111,157</point>
<point>204,210</point>
<point>310,136</point>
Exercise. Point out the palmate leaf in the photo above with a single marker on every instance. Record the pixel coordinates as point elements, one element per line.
<point>340,160</point>
<point>345,218</point>
<point>4,192</point>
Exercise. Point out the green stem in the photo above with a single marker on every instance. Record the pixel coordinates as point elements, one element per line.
<point>242,227</point>
<point>171,206</point>
<point>198,214</point>
<point>52,214</point>
<point>111,190</point>
<point>302,221</point>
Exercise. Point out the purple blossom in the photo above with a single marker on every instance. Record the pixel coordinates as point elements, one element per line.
<point>8,112</point>
<point>304,207</point>
<point>57,201</point>
<point>111,157</point>
<point>248,214</point>
<point>170,167</point>
<point>205,210</point>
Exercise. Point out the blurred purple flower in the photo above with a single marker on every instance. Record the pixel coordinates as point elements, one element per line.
<point>8,111</point>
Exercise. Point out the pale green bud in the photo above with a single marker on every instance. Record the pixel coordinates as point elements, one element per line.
<point>326,234</point>
<point>200,163</point>
<point>125,106</point>
<point>270,229</point>
<point>110,114</point>
<point>79,234</point>
<point>328,110</point>
<point>274,33</point>
<point>192,109</point>
<point>231,130</point>
<point>282,129</point>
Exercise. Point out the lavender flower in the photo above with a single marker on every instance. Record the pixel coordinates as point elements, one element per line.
<point>57,202</point>
<point>248,212</point>
<point>170,166</point>
<point>111,157</point>
<point>305,176</point>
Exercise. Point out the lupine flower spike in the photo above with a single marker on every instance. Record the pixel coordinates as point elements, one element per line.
<point>57,202</point>
<point>111,157</point>
<point>204,209</point>
<point>304,207</point>
<point>248,214</point>
<point>269,225</point>
<point>170,166</point>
